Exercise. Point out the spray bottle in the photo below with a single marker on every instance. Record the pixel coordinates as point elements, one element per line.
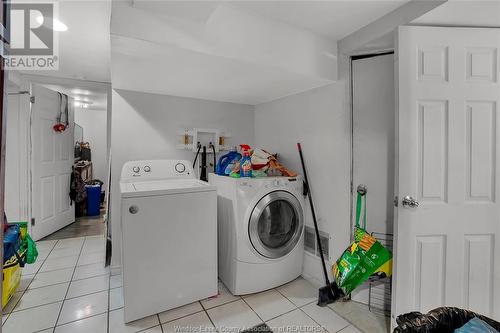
<point>245,162</point>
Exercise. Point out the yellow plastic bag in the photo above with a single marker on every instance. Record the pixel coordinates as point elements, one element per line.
<point>11,279</point>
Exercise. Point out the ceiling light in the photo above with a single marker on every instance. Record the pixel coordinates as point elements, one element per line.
<point>52,23</point>
<point>82,104</point>
<point>78,91</point>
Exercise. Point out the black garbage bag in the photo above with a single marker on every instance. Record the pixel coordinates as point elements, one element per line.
<point>440,320</point>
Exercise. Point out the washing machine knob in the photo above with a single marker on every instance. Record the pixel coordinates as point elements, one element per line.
<point>136,169</point>
<point>147,168</point>
<point>180,167</point>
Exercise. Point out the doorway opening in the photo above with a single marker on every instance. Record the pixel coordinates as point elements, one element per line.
<point>57,156</point>
<point>373,160</point>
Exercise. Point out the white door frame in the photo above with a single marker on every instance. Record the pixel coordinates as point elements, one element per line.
<point>352,57</point>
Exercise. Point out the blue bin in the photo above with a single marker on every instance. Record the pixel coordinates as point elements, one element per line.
<point>93,200</point>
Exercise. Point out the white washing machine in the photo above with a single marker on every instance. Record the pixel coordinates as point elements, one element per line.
<point>260,231</point>
<point>169,237</point>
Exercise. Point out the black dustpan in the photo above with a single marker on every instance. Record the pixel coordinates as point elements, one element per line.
<point>329,293</point>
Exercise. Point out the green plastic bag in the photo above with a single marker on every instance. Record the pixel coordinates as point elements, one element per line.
<point>362,258</point>
<point>31,253</point>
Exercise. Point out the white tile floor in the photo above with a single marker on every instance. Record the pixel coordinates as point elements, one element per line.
<point>69,290</point>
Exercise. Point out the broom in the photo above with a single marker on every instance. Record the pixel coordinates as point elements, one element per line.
<point>330,292</point>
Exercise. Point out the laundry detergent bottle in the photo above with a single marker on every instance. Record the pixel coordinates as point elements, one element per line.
<point>227,162</point>
<point>245,162</point>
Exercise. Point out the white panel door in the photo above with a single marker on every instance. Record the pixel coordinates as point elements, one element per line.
<point>448,248</point>
<point>51,162</point>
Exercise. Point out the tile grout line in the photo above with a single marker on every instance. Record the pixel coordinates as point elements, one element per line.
<point>55,284</point>
<point>313,319</point>
<point>216,306</point>
<point>284,313</point>
<point>252,311</point>
<point>206,313</point>
<point>69,285</point>
<point>25,290</point>
<point>204,309</point>
<point>183,316</point>
<point>348,322</point>
<point>346,319</point>
<point>161,327</point>
<point>37,272</point>
<point>300,308</point>
<point>109,303</point>
<point>37,306</point>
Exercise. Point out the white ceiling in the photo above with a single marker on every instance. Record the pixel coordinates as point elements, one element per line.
<point>192,74</point>
<point>84,49</point>
<point>97,98</point>
<point>247,52</point>
<point>475,13</point>
<point>334,19</point>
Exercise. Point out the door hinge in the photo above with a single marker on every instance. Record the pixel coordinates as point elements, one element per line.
<point>32,99</point>
<point>32,221</point>
<point>396,201</point>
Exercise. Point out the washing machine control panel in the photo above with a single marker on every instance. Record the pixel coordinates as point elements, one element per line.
<point>285,182</point>
<point>157,169</point>
<point>280,182</point>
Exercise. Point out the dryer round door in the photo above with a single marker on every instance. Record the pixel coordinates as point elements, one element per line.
<point>276,224</point>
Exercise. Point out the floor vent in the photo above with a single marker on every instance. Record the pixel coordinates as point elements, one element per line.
<point>310,244</point>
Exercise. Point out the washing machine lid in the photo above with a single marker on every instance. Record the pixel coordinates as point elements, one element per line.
<point>163,187</point>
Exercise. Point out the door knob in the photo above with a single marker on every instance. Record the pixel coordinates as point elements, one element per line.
<point>133,209</point>
<point>409,202</point>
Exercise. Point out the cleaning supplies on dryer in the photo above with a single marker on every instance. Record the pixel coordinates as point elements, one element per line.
<point>255,163</point>
<point>260,159</point>
<point>245,162</point>
<point>227,163</point>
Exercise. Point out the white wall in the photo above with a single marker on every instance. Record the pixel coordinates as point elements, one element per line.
<point>13,191</point>
<point>318,119</point>
<point>94,123</point>
<point>144,126</point>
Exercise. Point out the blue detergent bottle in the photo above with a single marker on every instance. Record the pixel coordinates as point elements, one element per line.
<point>245,162</point>
<point>226,163</point>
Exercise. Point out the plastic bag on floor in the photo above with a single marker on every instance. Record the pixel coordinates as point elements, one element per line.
<point>476,325</point>
<point>440,320</point>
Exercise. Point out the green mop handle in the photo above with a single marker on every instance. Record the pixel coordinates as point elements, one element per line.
<point>361,205</point>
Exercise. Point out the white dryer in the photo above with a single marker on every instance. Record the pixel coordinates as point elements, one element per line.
<point>169,237</point>
<point>260,231</point>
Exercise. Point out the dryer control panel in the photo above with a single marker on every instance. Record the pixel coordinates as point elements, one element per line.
<point>157,169</point>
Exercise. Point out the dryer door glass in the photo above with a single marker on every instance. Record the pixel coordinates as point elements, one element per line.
<point>276,224</point>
